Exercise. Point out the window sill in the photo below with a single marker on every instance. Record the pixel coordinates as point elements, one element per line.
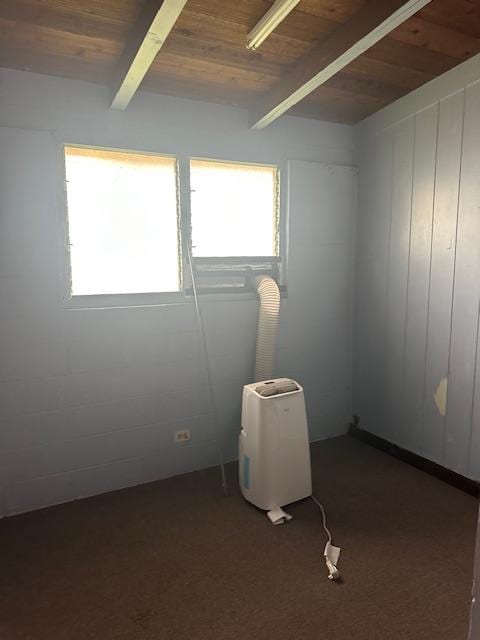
<point>119,301</point>
<point>140,300</point>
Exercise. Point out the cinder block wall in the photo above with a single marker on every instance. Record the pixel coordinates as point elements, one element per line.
<point>89,399</point>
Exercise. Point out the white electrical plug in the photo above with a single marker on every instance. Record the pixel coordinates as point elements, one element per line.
<point>333,572</point>
<point>331,552</point>
<point>331,555</point>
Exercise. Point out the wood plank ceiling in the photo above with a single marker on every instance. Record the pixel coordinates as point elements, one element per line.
<point>205,56</point>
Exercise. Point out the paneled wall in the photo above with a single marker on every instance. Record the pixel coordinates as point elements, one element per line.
<point>315,336</point>
<point>90,399</point>
<point>417,289</point>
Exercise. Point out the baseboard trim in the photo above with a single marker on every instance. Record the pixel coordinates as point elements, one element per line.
<point>455,479</point>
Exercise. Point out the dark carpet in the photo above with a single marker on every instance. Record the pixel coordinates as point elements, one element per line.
<point>176,560</point>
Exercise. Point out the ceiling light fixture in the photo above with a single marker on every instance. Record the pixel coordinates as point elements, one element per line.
<point>277,12</point>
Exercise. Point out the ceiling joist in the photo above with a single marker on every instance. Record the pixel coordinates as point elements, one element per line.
<point>145,41</point>
<point>372,23</point>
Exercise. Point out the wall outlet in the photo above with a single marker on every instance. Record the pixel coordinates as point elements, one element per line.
<point>182,436</point>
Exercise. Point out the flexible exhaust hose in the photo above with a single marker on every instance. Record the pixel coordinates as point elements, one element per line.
<point>269,295</point>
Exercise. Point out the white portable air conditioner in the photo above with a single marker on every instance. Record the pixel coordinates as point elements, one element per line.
<point>274,449</point>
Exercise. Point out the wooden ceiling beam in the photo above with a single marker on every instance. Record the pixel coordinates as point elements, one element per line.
<point>352,38</point>
<point>145,41</point>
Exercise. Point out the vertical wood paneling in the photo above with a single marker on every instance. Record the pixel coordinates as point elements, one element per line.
<point>430,300</point>
<point>442,268</point>
<point>418,276</point>
<point>399,248</point>
<point>466,294</point>
<point>371,283</point>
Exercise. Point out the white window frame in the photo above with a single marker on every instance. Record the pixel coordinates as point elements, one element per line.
<point>99,301</point>
<point>278,262</point>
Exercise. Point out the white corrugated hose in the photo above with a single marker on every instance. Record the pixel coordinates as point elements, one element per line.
<point>269,295</point>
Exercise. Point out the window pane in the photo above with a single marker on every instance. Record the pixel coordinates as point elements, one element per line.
<point>234,209</point>
<point>122,218</point>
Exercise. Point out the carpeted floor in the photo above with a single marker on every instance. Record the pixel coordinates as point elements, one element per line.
<point>175,560</point>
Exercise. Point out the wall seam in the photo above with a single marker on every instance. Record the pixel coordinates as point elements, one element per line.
<point>414,146</point>
<point>452,306</point>
<point>389,254</point>
<point>427,333</point>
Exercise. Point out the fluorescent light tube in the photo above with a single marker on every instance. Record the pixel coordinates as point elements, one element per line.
<point>277,12</point>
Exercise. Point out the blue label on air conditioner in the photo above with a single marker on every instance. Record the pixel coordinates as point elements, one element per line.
<point>246,472</point>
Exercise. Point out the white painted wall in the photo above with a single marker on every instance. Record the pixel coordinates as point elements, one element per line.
<point>89,399</point>
<point>418,272</point>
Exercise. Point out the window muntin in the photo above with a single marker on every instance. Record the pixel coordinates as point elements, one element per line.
<point>234,209</point>
<point>122,222</point>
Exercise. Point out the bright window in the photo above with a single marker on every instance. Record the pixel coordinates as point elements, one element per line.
<point>234,209</point>
<point>122,222</point>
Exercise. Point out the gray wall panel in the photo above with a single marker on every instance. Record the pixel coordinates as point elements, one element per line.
<point>431,326</point>
<point>399,249</point>
<point>371,284</point>
<point>442,270</point>
<point>418,276</point>
<point>466,292</point>
<point>315,329</point>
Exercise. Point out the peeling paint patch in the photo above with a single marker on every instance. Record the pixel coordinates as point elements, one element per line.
<point>440,396</point>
